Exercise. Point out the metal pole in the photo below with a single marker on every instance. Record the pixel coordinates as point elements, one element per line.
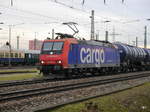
<point>18,42</point>
<point>53,33</point>
<point>136,41</point>
<point>113,34</point>
<point>145,37</point>
<point>92,25</point>
<point>106,35</point>
<point>11,2</point>
<point>35,41</point>
<point>9,45</point>
<point>10,34</point>
<point>35,44</point>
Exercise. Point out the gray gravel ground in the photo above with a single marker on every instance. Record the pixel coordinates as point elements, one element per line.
<point>34,103</point>
<point>50,84</point>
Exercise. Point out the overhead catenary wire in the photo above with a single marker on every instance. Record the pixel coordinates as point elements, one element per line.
<point>36,14</point>
<point>121,1</point>
<point>69,5</point>
<point>42,16</point>
<point>29,12</point>
<point>36,23</point>
<point>22,17</point>
<point>32,13</point>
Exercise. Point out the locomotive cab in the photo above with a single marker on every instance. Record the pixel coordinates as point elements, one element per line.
<point>54,53</point>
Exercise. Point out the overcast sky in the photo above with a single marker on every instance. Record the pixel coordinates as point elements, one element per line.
<point>40,16</point>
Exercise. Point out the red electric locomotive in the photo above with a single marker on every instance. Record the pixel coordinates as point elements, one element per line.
<point>66,55</point>
<point>54,53</point>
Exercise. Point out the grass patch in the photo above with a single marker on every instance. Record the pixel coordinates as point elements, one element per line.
<point>19,70</point>
<point>132,100</point>
<point>19,76</point>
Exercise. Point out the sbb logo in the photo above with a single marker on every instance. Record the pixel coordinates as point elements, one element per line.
<point>92,55</point>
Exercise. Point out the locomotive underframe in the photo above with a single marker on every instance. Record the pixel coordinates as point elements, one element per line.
<point>126,66</point>
<point>46,69</point>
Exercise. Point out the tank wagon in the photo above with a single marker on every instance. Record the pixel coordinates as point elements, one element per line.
<point>132,57</point>
<point>68,55</point>
<point>147,59</point>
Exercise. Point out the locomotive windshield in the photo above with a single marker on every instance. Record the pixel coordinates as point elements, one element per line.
<point>52,47</point>
<point>47,46</point>
<point>57,45</point>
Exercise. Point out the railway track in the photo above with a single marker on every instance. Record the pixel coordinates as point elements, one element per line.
<point>42,80</point>
<point>5,97</point>
<point>26,82</point>
<point>16,72</point>
<point>17,67</point>
<point>6,71</point>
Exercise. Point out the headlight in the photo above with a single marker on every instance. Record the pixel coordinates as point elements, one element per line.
<point>51,53</point>
<point>59,62</point>
<point>42,62</point>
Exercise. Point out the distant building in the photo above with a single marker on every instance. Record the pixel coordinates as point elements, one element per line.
<point>35,44</point>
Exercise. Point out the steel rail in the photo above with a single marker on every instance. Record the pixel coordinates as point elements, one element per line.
<point>43,80</point>
<point>34,81</point>
<point>56,89</point>
<point>16,72</point>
